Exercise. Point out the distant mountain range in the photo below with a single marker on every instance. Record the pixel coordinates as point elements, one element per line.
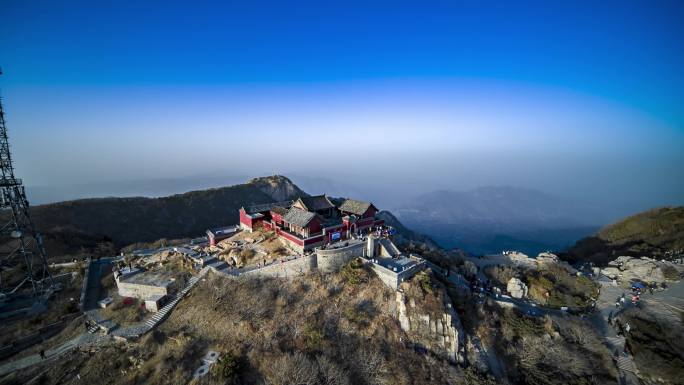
<point>492,219</point>
<point>480,221</point>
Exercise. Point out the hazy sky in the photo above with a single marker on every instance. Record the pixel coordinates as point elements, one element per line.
<point>580,99</point>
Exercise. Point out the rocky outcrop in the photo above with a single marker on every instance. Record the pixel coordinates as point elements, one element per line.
<point>440,334</point>
<point>627,269</point>
<point>476,354</point>
<point>546,258</point>
<point>516,288</point>
<point>520,259</point>
<point>278,187</point>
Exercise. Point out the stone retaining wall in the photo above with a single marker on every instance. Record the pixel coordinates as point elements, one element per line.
<point>332,260</point>
<point>392,278</point>
<point>287,269</point>
<point>140,291</point>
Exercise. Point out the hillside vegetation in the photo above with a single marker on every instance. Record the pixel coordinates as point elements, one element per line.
<point>651,233</point>
<point>662,228</point>
<point>332,329</point>
<point>86,226</point>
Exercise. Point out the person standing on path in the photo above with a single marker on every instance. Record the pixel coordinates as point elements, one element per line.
<point>42,354</point>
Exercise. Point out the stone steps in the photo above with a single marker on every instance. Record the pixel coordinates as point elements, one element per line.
<point>626,364</point>
<point>617,341</point>
<point>164,311</point>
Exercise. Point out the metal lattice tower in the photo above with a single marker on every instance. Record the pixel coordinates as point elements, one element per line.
<point>23,262</point>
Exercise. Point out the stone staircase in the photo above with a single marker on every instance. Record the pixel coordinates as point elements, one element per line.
<point>617,344</point>
<point>164,311</point>
<point>389,247</point>
<point>136,331</point>
<point>626,364</point>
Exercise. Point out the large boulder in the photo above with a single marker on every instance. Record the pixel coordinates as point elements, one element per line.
<point>516,288</point>
<point>520,259</point>
<point>627,269</point>
<point>546,258</point>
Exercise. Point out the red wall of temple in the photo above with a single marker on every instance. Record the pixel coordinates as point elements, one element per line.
<point>245,219</point>
<point>291,237</point>
<point>314,226</point>
<point>277,217</point>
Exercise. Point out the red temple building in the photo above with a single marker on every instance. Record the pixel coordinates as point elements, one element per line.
<point>312,221</point>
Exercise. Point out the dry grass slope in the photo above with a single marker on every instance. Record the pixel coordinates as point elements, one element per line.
<point>314,329</point>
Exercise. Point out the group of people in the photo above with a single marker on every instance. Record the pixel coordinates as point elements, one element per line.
<point>635,296</point>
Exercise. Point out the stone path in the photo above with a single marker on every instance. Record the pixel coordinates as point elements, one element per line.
<point>51,354</point>
<point>605,305</point>
<point>92,289</point>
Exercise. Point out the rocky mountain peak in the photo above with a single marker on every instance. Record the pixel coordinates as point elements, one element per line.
<point>278,187</point>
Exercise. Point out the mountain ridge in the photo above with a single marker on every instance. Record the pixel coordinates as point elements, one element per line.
<point>651,233</point>
<point>84,226</point>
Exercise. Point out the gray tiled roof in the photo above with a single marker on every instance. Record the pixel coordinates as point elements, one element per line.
<point>299,217</point>
<point>355,207</point>
<point>266,207</point>
<point>279,210</point>
<point>315,203</point>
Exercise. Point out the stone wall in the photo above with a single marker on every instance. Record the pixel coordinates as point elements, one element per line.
<point>387,276</point>
<point>333,259</point>
<point>137,290</point>
<point>287,269</point>
<point>392,278</point>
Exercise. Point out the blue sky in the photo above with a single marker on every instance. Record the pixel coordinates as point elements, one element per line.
<point>568,96</point>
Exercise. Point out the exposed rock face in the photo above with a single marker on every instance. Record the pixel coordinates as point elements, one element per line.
<point>520,259</point>
<point>401,309</point>
<point>441,334</point>
<point>476,354</point>
<point>644,269</point>
<point>544,258</point>
<point>517,288</point>
<point>278,187</point>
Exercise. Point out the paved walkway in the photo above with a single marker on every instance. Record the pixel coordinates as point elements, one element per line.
<point>93,288</point>
<point>51,354</point>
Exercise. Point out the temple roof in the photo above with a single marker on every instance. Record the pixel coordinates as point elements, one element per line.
<point>355,207</point>
<point>298,217</point>
<point>279,210</point>
<point>316,203</point>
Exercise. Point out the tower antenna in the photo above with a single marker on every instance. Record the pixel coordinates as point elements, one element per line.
<point>23,261</point>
